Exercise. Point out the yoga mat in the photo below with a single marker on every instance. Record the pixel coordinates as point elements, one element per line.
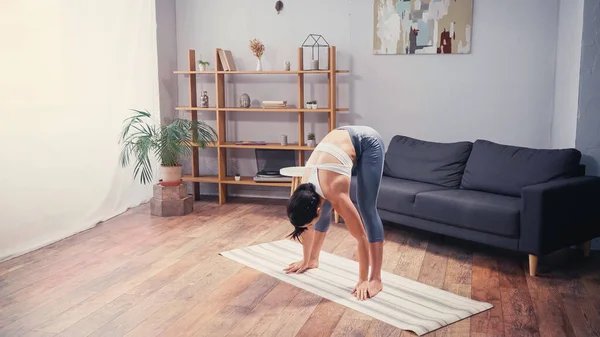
<point>403,303</point>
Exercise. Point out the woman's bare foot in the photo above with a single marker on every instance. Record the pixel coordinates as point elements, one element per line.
<point>375,286</point>
<point>300,266</point>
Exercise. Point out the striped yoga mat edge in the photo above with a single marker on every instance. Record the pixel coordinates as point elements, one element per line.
<point>403,303</point>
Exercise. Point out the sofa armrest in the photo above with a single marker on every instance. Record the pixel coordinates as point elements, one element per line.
<point>559,213</point>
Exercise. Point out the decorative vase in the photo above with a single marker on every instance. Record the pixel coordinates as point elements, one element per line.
<point>171,175</point>
<point>237,177</point>
<point>286,66</point>
<point>259,65</point>
<point>204,99</point>
<point>284,140</point>
<point>245,101</point>
<point>201,67</point>
<point>312,143</point>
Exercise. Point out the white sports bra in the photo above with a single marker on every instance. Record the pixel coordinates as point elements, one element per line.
<point>345,166</point>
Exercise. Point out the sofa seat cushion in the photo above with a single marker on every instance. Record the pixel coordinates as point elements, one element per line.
<point>481,211</point>
<point>505,169</point>
<point>397,195</point>
<point>428,162</point>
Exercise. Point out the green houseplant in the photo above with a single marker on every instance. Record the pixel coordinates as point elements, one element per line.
<point>311,139</point>
<point>202,65</point>
<point>311,105</point>
<point>235,169</point>
<point>142,136</point>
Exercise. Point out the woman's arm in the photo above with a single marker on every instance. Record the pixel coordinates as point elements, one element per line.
<point>307,262</point>
<point>307,239</point>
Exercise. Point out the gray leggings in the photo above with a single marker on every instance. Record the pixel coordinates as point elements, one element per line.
<point>370,154</point>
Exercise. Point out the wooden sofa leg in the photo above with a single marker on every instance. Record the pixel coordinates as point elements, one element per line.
<point>533,261</point>
<point>587,247</point>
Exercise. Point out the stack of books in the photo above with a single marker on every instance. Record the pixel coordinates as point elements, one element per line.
<point>251,142</point>
<point>274,104</point>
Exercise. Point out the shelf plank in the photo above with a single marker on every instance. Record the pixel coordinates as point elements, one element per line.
<point>188,72</point>
<point>279,72</point>
<point>233,109</point>
<point>254,72</point>
<point>250,181</point>
<point>265,72</point>
<point>270,146</point>
<point>194,108</point>
<point>201,179</point>
<point>210,144</point>
<point>272,109</point>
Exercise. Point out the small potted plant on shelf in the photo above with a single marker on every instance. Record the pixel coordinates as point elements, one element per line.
<point>143,137</point>
<point>203,65</point>
<point>234,169</point>
<point>311,139</point>
<point>311,105</point>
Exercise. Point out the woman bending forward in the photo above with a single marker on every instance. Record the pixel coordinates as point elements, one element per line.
<point>326,185</point>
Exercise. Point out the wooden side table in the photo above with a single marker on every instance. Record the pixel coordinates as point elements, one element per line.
<point>296,172</point>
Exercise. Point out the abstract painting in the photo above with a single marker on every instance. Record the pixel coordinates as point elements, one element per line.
<point>422,26</point>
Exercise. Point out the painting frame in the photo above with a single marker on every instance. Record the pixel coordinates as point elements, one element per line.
<point>422,27</point>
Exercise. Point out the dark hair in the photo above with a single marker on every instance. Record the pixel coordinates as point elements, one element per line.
<point>302,208</point>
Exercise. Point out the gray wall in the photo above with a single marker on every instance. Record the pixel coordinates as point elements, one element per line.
<point>568,55</point>
<point>588,116</point>
<point>588,121</point>
<point>167,57</point>
<point>503,91</point>
<point>506,83</point>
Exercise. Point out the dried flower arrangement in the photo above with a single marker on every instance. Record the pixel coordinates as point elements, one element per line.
<point>257,47</point>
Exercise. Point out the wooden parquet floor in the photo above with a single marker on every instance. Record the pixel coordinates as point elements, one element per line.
<point>138,275</point>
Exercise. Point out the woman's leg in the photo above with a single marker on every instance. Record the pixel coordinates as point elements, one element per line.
<point>369,173</point>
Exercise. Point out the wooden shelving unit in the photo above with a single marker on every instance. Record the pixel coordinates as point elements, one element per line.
<point>221,110</point>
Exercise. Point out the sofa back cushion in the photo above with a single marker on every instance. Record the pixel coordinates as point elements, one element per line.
<point>429,162</point>
<point>505,169</point>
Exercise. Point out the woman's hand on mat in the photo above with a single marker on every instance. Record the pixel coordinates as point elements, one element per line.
<point>361,290</point>
<point>300,266</point>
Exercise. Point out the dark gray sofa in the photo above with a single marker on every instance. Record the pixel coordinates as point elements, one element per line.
<point>533,201</point>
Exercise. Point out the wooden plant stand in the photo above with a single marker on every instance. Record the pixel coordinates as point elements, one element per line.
<point>171,201</point>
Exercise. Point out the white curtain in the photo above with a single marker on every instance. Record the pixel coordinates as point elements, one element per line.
<point>70,70</point>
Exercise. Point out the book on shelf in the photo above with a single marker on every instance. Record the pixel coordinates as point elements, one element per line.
<point>250,142</point>
<point>227,61</point>
<point>274,104</point>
